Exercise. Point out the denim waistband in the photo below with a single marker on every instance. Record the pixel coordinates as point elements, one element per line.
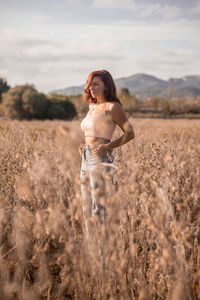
<point>87,147</point>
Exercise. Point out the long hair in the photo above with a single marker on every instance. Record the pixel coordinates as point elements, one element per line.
<point>110,93</point>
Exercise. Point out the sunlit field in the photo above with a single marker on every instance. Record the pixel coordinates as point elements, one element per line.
<point>151,239</point>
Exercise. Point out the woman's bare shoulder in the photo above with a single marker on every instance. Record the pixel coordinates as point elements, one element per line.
<point>117,113</point>
<point>114,106</point>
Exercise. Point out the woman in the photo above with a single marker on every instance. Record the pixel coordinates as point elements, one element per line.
<point>105,112</point>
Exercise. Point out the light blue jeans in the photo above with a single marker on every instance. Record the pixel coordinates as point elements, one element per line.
<point>93,177</point>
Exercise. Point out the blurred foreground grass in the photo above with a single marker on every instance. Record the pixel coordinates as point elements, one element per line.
<point>152,245</point>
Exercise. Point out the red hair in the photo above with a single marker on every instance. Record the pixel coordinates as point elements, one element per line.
<point>109,92</point>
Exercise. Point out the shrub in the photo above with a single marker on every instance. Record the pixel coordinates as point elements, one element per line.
<point>123,92</point>
<point>157,102</point>
<point>166,109</point>
<point>182,106</point>
<point>24,102</point>
<point>129,102</point>
<point>4,87</point>
<point>34,104</point>
<point>64,108</point>
<point>80,104</point>
<point>56,111</point>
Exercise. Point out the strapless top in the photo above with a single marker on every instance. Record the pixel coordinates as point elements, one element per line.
<point>98,125</point>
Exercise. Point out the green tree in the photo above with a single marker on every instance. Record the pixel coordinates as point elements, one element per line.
<point>182,106</point>
<point>56,111</point>
<point>4,87</point>
<point>24,102</point>
<point>129,102</point>
<point>35,104</point>
<point>61,107</point>
<point>123,92</point>
<point>80,104</point>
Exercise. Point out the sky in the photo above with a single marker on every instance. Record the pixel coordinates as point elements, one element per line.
<point>56,44</point>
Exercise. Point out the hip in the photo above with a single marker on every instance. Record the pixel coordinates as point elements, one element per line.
<point>89,159</point>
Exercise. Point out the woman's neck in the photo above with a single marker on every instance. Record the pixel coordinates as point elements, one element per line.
<point>100,101</point>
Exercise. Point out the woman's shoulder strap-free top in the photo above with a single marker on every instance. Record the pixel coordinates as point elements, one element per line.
<point>99,124</point>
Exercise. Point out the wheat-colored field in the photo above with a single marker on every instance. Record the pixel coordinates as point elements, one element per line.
<point>151,240</point>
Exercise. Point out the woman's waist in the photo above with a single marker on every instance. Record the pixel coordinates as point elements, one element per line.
<point>93,146</point>
<point>90,147</point>
<point>93,141</point>
<point>87,154</point>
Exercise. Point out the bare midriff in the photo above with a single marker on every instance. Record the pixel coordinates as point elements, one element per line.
<point>91,140</point>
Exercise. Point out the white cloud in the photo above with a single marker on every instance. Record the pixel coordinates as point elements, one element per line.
<point>148,10</point>
<point>49,64</point>
<point>113,4</point>
<point>196,8</point>
<point>169,12</point>
<point>54,56</point>
<point>161,63</point>
<point>142,10</point>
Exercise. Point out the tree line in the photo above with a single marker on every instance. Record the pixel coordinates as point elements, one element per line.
<point>25,102</point>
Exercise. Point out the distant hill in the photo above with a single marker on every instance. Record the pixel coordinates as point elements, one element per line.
<point>143,85</point>
<point>73,90</point>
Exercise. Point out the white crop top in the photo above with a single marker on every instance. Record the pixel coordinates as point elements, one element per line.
<point>98,125</point>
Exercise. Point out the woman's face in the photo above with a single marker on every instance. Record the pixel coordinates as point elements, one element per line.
<point>97,87</point>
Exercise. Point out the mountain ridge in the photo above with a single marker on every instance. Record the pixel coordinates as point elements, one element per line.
<point>144,85</point>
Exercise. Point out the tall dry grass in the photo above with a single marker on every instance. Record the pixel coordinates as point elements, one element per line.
<point>151,246</point>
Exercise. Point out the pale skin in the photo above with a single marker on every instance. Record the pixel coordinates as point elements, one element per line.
<point>117,114</point>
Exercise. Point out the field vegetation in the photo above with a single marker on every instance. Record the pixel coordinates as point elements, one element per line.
<point>151,242</point>
<point>24,102</point>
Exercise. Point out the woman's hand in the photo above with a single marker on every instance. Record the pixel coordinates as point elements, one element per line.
<point>80,148</point>
<point>100,150</point>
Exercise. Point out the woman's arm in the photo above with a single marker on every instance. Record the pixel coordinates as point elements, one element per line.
<point>120,118</point>
<point>80,148</point>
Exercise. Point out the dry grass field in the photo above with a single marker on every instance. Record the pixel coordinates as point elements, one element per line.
<point>152,241</point>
